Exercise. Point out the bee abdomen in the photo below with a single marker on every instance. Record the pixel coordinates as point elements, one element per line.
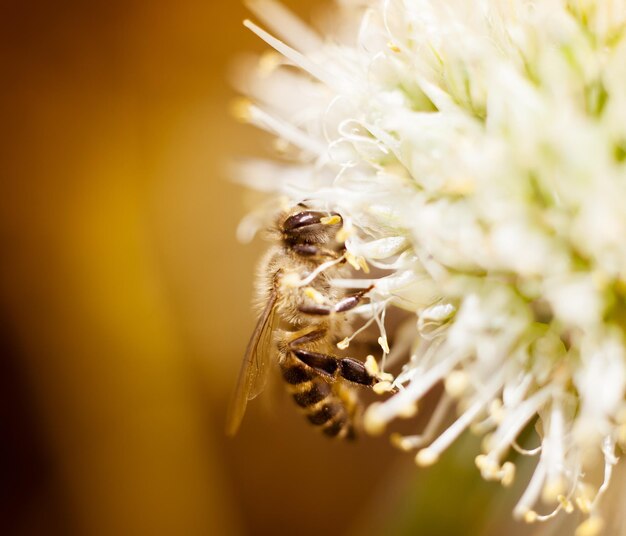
<point>322,406</point>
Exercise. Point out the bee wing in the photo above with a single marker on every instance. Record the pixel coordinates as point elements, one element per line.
<point>255,366</point>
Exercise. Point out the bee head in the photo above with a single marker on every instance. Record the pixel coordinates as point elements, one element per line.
<point>310,227</point>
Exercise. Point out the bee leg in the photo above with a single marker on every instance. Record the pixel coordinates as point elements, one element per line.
<point>306,338</point>
<point>343,305</point>
<point>330,366</point>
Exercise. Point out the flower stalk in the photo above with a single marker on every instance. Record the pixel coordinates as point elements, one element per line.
<point>476,152</point>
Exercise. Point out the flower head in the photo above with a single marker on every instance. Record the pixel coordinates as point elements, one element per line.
<point>476,152</point>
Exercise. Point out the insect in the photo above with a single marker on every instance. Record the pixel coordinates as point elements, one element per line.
<point>302,317</point>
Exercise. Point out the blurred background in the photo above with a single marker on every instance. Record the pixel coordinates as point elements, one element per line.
<point>124,301</point>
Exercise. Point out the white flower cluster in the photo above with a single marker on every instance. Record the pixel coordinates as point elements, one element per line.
<point>476,150</point>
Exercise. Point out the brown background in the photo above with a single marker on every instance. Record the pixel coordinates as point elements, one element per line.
<point>124,300</point>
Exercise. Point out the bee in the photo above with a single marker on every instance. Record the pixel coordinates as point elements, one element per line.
<point>302,317</point>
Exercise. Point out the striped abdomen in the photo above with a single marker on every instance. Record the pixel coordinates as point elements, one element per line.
<point>330,406</point>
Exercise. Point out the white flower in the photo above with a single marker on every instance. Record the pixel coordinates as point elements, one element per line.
<point>477,153</point>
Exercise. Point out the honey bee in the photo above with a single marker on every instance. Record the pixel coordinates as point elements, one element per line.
<point>302,317</point>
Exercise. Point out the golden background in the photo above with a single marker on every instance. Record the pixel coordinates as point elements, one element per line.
<point>124,300</point>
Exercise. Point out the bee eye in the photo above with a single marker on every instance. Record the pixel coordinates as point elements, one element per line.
<point>302,219</point>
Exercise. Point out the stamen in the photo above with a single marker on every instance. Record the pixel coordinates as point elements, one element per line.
<point>371,366</point>
<point>324,266</point>
<point>608,449</point>
<point>436,419</point>
<point>516,420</point>
<point>456,383</point>
<point>525,452</point>
<point>343,344</point>
<point>385,411</point>
<point>240,109</point>
<point>285,24</point>
<point>555,484</point>
<point>382,341</point>
<point>315,70</point>
<point>455,430</point>
<point>352,283</point>
<point>353,261</point>
<point>513,393</point>
<point>530,495</point>
<point>426,457</point>
<point>285,130</point>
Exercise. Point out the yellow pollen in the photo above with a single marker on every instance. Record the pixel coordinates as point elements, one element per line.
<point>489,469</point>
<point>382,387</point>
<point>480,461</point>
<point>240,109</point>
<point>313,294</point>
<point>496,410</point>
<point>408,411</point>
<point>398,441</point>
<point>426,457</point>
<point>363,264</point>
<point>508,474</point>
<point>530,516</point>
<point>566,504</point>
<point>456,383</point>
<point>487,443</point>
<point>386,377</point>
<point>552,490</point>
<point>268,63</point>
<point>372,422</point>
<point>393,47</point>
<point>371,366</point>
<point>331,220</point>
<point>352,260</point>
<point>590,527</point>
<point>584,504</point>
<point>343,344</point>
<point>343,234</point>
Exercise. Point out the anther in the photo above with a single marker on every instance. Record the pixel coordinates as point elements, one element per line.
<point>240,108</point>
<point>456,383</point>
<point>590,527</point>
<point>343,344</point>
<point>530,516</point>
<point>508,474</point>
<point>383,387</point>
<point>408,410</point>
<point>426,457</point>
<point>372,421</point>
<point>401,442</point>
